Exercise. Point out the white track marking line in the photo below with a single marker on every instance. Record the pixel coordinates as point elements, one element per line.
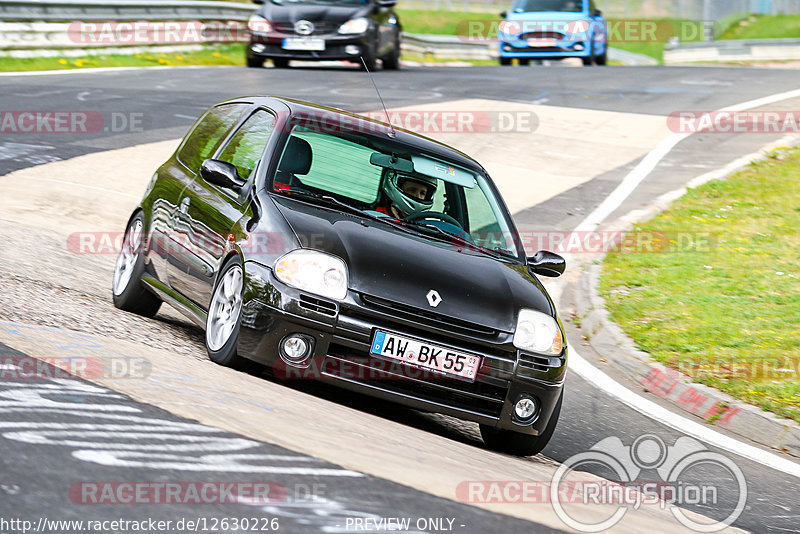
<point>85,186</point>
<point>658,413</point>
<point>106,69</point>
<point>639,403</point>
<point>651,161</point>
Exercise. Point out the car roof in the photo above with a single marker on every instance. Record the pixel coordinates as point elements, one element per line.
<point>301,109</point>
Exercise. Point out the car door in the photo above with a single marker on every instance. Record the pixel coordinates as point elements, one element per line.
<point>210,213</point>
<point>176,175</point>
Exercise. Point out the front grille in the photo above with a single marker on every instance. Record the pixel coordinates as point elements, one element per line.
<point>356,366</point>
<point>318,305</point>
<point>320,27</point>
<point>540,364</point>
<point>541,49</point>
<point>541,35</point>
<point>443,322</point>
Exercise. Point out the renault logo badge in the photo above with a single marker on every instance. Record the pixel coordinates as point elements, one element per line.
<point>303,27</point>
<point>434,299</point>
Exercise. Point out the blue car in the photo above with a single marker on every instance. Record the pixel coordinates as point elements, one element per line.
<point>553,29</point>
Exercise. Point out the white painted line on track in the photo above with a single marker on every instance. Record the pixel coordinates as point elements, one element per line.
<point>85,186</point>
<point>639,403</point>
<point>651,161</point>
<point>658,413</point>
<point>107,69</point>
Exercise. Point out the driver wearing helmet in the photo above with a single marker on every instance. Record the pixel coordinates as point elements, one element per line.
<point>406,195</point>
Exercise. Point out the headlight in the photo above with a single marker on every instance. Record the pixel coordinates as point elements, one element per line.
<point>313,271</point>
<point>359,25</point>
<point>258,24</point>
<point>538,332</point>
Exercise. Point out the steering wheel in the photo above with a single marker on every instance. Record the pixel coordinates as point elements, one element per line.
<point>433,215</point>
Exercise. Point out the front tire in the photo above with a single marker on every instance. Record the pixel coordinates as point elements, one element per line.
<point>127,290</point>
<point>225,315</point>
<point>255,62</point>
<point>602,59</point>
<point>369,60</point>
<point>505,61</point>
<point>518,444</point>
<point>391,61</point>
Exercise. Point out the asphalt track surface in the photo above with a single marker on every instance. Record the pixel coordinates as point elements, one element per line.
<point>167,101</point>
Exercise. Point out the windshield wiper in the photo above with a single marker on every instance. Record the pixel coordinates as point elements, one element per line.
<point>444,235</point>
<point>344,206</point>
<point>415,228</point>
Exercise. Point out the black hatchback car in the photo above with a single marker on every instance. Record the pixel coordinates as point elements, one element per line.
<point>330,246</point>
<point>282,30</point>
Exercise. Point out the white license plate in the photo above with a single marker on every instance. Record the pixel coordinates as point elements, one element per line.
<point>293,43</point>
<point>541,43</point>
<point>425,355</point>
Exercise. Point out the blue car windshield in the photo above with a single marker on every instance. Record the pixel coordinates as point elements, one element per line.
<point>523,6</point>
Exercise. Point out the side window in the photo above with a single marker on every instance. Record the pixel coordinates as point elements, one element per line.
<point>205,137</point>
<point>340,166</point>
<point>247,145</point>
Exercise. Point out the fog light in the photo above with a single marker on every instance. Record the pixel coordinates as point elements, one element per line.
<point>526,408</point>
<point>507,47</point>
<point>578,47</point>
<point>258,48</point>
<point>295,348</point>
<point>353,50</point>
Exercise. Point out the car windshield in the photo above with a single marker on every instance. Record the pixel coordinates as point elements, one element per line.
<point>394,182</point>
<point>524,6</point>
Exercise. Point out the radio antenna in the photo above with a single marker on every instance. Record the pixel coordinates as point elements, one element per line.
<point>386,111</point>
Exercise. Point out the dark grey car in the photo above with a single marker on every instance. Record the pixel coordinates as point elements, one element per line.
<point>282,30</point>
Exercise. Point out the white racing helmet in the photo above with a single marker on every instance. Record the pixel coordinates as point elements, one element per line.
<point>405,204</point>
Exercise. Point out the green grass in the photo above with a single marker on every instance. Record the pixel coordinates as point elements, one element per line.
<point>230,54</point>
<point>630,40</point>
<point>764,27</point>
<point>724,310</point>
<point>444,22</point>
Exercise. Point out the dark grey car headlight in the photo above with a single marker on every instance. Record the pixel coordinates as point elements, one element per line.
<point>538,332</point>
<point>354,26</point>
<point>313,271</point>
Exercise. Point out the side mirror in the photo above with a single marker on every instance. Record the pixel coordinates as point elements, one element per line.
<point>598,13</point>
<point>386,3</point>
<point>547,264</point>
<point>504,14</point>
<point>258,1</point>
<point>221,173</point>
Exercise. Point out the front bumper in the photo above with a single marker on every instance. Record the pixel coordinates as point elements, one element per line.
<point>342,333</point>
<point>559,50</point>
<point>270,46</point>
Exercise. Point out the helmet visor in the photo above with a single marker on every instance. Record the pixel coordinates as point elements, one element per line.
<point>417,189</point>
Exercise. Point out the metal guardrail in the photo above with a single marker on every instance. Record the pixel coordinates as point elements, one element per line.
<point>736,50</point>
<point>32,39</point>
<point>121,10</point>
<point>449,46</point>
